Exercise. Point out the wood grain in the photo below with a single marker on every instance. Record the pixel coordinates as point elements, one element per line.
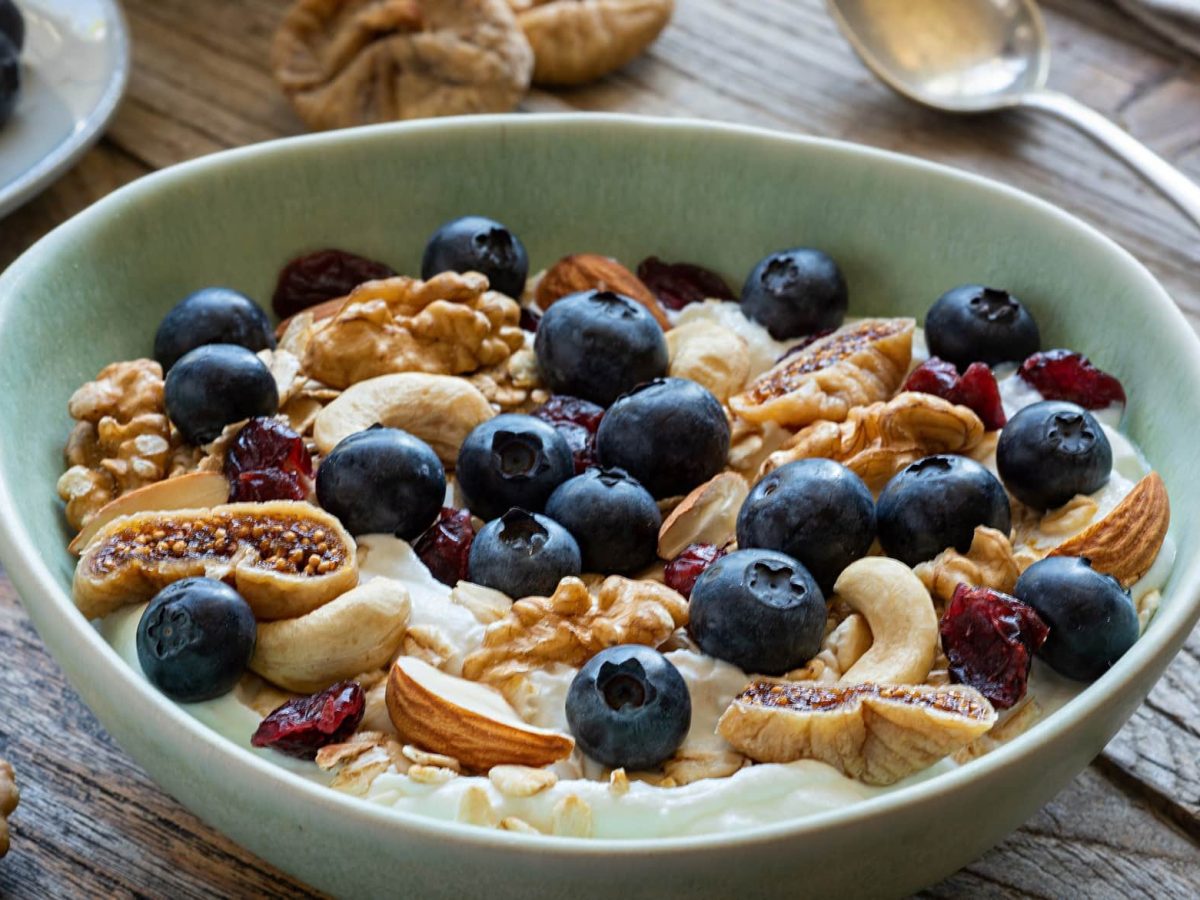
<point>92,824</point>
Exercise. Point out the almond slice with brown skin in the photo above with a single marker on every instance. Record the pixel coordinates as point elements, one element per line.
<point>592,272</point>
<point>875,733</point>
<point>286,558</point>
<point>708,515</point>
<point>469,721</point>
<point>195,490</point>
<point>1125,543</point>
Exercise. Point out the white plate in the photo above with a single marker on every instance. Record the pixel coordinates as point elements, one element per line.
<point>73,73</point>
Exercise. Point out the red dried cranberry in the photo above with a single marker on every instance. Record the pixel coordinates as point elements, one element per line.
<point>678,284</point>
<point>990,639</point>
<point>681,572</point>
<point>320,276</point>
<point>303,726</point>
<point>804,343</point>
<point>975,389</point>
<point>262,485</point>
<point>445,546</point>
<point>529,320</point>
<point>267,460</point>
<point>576,420</point>
<point>1066,375</point>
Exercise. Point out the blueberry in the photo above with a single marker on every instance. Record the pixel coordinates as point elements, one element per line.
<point>973,323</point>
<point>512,460</point>
<point>195,639</point>
<point>936,503</point>
<point>597,345</point>
<point>796,292</point>
<point>216,385</point>
<point>629,708</point>
<point>10,78</point>
<point>670,434</point>
<point>382,481</point>
<point>1091,617</point>
<point>476,244</point>
<point>1051,451</point>
<point>815,510</point>
<point>211,316</point>
<point>614,519</point>
<point>523,554</point>
<point>758,609</point>
<point>12,24</point>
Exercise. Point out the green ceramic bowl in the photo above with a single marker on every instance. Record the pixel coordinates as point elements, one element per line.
<point>904,230</point>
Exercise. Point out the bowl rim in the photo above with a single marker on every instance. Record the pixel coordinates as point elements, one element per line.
<point>33,578</point>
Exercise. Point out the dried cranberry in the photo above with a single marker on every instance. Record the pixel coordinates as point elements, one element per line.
<point>445,546</point>
<point>990,639</point>
<point>529,320</point>
<point>576,420</point>
<point>303,726</point>
<point>262,485</point>
<point>1066,375</point>
<point>267,460</point>
<point>975,389</point>
<point>805,343</point>
<point>681,572</point>
<point>678,284</point>
<point>320,276</point>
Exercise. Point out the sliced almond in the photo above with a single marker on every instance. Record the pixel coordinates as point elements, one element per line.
<point>196,490</point>
<point>471,722</point>
<point>1125,543</point>
<point>326,310</point>
<point>590,271</point>
<point>708,515</point>
<point>439,409</point>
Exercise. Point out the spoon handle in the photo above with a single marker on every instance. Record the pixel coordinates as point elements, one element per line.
<point>1176,186</point>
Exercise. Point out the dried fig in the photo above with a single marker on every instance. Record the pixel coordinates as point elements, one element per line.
<point>576,41</point>
<point>356,62</point>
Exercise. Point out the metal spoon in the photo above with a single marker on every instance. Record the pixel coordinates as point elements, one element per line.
<point>974,56</point>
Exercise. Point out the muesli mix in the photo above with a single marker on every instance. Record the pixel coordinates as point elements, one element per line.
<point>600,552</point>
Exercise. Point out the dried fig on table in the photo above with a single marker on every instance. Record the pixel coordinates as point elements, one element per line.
<point>9,797</point>
<point>356,62</point>
<point>577,41</point>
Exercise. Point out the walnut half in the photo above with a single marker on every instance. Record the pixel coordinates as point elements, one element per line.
<point>449,325</point>
<point>122,438</point>
<point>574,625</point>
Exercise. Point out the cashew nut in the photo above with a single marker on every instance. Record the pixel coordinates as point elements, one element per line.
<point>359,631</point>
<point>710,354</point>
<point>903,623</point>
<point>439,409</point>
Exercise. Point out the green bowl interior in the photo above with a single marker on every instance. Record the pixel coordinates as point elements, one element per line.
<point>95,290</point>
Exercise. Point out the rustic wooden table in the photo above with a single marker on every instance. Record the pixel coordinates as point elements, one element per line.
<point>92,823</point>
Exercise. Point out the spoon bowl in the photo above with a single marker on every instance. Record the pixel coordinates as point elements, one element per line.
<point>976,56</point>
<point>957,55</point>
